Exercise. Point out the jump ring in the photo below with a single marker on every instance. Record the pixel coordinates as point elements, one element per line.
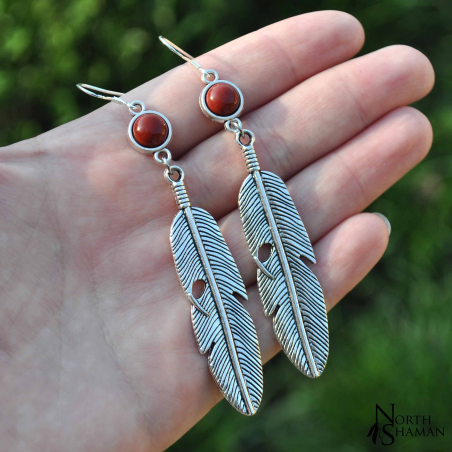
<point>166,157</point>
<point>233,125</point>
<point>167,165</point>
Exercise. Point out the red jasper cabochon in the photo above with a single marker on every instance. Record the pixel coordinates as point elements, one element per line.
<point>150,130</point>
<point>222,99</point>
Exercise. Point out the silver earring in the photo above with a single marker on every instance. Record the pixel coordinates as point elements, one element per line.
<point>221,324</point>
<point>288,288</point>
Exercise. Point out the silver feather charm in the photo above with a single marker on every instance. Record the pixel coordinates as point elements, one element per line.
<point>221,324</point>
<point>287,286</point>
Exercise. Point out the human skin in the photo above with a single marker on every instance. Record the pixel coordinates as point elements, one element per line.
<point>96,345</point>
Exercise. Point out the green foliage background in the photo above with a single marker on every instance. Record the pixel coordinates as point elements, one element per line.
<point>391,339</point>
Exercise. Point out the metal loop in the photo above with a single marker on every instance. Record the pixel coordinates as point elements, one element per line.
<point>167,166</point>
<point>165,158</point>
<point>205,76</point>
<point>240,136</point>
<point>133,107</point>
<point>173,169</point>
<point>233,125</point>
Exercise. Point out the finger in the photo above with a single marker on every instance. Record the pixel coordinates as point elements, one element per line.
<point>276,57</point>
<point>344,256</point>
<point>309,121</point>
<point>346,181</point>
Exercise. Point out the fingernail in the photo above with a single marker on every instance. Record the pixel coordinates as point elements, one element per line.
<point>388,224</point>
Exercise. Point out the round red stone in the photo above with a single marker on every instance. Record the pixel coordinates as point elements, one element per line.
<point>150,130</point>
<point>222,99</point>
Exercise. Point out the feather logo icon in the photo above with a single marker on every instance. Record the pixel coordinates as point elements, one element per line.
<point>383,431</point>
<point>375,432</point>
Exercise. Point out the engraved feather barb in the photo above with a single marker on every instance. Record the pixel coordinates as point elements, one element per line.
<point>287,286</point>
<point>221,324</point>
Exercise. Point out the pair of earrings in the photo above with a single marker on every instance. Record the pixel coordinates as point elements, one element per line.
<point>288,289</point>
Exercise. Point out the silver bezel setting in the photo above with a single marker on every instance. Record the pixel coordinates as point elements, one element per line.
<point>210,114</point>
<point>142,149</point>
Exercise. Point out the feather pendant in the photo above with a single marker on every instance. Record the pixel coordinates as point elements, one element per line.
<point>221,324</point>
<point>287,286</point>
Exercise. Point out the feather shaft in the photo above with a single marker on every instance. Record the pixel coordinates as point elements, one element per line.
<point>220,306</point>
<point>286,270</point>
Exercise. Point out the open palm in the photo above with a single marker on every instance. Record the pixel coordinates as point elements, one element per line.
<point>96,344</point>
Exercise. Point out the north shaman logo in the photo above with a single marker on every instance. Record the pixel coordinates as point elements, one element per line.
<point>391,426</point>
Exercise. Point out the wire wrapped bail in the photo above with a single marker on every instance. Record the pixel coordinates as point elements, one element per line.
<point>178,187</point>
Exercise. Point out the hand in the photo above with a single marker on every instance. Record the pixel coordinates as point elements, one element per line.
<point>96,344</point>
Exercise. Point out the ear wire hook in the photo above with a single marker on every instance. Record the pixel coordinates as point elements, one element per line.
<point>90,90</point>
<point>181,53</point>
<point>206,73</point>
